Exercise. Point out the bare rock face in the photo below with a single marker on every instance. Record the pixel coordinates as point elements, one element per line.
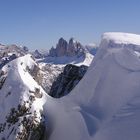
<point>75,48</point>
<point>64,48</point>
<point>67,80</point>
<point>52,52</point>
<point>72,47</point>
<point>61,47</point>
<point>48,75</point>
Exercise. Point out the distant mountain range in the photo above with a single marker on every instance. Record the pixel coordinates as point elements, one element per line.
<point>64,48</point>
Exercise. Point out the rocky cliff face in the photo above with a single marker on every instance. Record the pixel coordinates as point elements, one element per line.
<point>67,80</point>
<point>49,74</point>
<point>61,47</point>
<point>64,48</point>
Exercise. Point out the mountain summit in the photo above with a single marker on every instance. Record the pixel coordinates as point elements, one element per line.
<point>105,105</point>
<point>64,48</point>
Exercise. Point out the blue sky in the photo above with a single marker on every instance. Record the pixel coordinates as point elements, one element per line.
<point>40,23</point>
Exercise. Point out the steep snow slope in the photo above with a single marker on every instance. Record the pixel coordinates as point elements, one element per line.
<point>105,105</point>
<point>21,101</point>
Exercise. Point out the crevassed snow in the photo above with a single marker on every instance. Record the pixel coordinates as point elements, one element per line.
<point>105,105</point>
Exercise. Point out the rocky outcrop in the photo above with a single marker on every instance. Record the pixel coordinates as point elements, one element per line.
<point>75,48</point>
<point>61,47</point>
<point>52,52</point>
<point>48,74</point>
<point>67,80</point>
<point>64,48</point>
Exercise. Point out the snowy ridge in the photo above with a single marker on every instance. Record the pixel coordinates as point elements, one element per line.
<point>105,105</point>
<point>21,100</point>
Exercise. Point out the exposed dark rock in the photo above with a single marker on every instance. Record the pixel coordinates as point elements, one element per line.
<point>64,48</point>
<point>3,76</point>
<point>74,48</point>
<point>36,73</point>
<point>67,80</point>
<point>52,52</point>
<point>32,129</point>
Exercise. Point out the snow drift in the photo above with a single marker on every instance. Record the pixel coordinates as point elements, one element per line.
<point>105,105</point>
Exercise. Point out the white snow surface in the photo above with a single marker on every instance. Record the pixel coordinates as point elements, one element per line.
<point>15,91</point>
<point>85,59</point>
<point>122,38</point>
<point>105,105</point>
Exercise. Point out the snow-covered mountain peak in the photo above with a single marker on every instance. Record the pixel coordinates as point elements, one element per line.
<point>124,47</point>
<point>105,105</point>
<point>21,100</point>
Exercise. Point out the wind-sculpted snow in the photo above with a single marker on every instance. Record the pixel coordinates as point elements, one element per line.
<point>105,105</point>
